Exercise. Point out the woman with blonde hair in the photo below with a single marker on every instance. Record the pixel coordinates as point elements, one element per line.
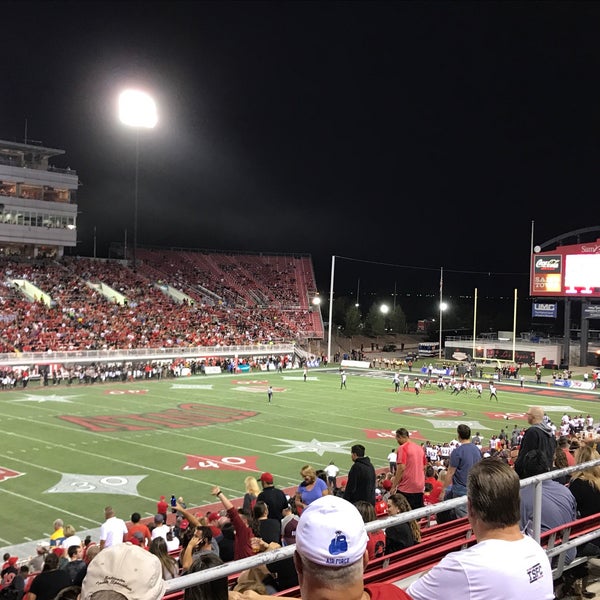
<point>252,492</point>
<point>403,535</point>
<point>311,488</point>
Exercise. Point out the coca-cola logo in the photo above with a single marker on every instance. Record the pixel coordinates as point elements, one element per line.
<point>547,263</point>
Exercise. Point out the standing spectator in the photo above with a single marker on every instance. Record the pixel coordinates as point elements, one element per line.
<point>361,477</point>
<point>272,496</point>
<point>392,457</point>
<point>162,508</point>
<point>331,470</point>
<point>558,503</point>
<point>524,569</point>
<point>50,581</point>
<point>125,570</point>
<point>537,436</point>
<point>57,537</point>
<point>463,457</point>
<point>160,529</point>
<point>311,488</point>
<point>251,494</point>
<point>403,535</point>
<point>113,530</point>
<point>410,473</point>
<point>138,527</point>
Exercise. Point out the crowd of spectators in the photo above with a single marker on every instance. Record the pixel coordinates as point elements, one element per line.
<point>83,314</point>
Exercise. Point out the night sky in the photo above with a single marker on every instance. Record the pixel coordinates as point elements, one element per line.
<point>420,134</point>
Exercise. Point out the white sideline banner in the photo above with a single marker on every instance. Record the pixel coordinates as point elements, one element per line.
<point>212,370</point>
<point>356,364</point>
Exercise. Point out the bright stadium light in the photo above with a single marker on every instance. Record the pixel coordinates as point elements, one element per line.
<point>138,110</point>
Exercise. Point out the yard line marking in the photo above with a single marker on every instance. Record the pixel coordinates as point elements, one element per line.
<point>46,505</point>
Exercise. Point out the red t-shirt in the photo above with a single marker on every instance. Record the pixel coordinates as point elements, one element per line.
<point>386,591</point>
<point>436,492</point>
<point>413,478</point>
<point>376,544</point>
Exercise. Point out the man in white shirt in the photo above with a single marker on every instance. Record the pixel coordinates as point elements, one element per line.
<point>476,573</point>
<point>113,530</point>
<point>332,472</point>
<point>160,529</point>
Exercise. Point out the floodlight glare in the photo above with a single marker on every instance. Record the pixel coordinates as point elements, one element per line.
<point>137,109</point>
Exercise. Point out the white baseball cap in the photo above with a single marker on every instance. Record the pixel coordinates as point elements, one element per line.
<point>331,532</point>
<point>127,569</point>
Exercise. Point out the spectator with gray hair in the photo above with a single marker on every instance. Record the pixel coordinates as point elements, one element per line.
<point>504,562</point>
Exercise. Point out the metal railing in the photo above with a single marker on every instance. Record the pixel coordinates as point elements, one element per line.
<point>263,558</point>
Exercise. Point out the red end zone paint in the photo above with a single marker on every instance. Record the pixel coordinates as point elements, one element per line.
<point>507,416</point>
<point>427,411</point>
<point>387,434</point>
<point>121,392</point>
<point>185,416</point>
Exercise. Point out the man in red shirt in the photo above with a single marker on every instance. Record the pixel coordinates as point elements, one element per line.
<point>410,470</point>
<point>162,508</point>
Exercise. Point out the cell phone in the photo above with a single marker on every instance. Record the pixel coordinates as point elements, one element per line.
<point>173,504</point>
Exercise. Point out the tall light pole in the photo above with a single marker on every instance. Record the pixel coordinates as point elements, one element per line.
<point>442,307</point>
<point>138,110</point>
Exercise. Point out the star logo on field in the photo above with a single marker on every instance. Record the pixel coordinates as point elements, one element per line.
<point>50,398</point>
<point>314,445</point>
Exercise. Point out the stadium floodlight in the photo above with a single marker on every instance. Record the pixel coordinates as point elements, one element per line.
<point>316,300</point>
<point>137,109</point>
<point>385,309</point>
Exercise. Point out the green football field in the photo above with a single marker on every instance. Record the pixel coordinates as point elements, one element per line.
<point>68,451</point>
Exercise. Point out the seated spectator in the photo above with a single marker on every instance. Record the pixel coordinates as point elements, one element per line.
<point>9,571</point>
<point>211,590</point>
<point>37,562</point>
<point>226,543</point>
<point>50,581</point>
<point>76,562</point>
<point>402,535</point>
<point>158,547</point>
<point>289,523</point>
<point>376,543</point>
<point>585,487</point>
<point>201,542</point>
<point>331,554</point>
<point>558,503</point>
<point>71,538</point>
<point>269,530</point>
<point>493,510</point>
<point>127,570</point>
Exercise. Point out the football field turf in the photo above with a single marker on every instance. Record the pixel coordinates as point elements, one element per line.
<point>68,451</point>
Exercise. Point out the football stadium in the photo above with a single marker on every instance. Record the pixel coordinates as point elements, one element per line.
<point>172,373</point>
